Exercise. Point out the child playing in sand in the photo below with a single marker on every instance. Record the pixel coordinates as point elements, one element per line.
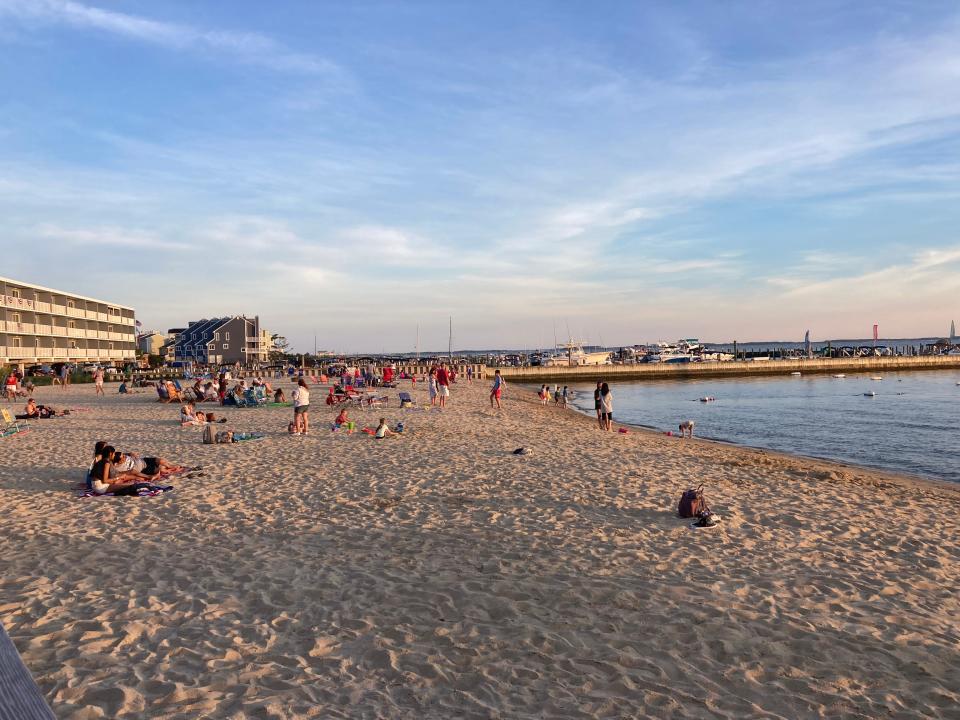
<point>686,428</point>
<point>383,431</point>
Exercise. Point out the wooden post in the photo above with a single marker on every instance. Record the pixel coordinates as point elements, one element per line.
<point>20,698</point>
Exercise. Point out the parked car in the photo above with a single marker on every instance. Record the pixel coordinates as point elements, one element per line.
<point>40,370</point>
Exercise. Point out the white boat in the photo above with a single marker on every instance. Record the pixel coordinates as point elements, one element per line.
<point>876,377</point>
<point>796,373</point>
<point>839,375</point>
<point>575,356</point>
<point>870,394</point>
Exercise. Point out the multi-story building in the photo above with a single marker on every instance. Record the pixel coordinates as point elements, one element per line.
<point>222,341</point>
<point>41,325</point>
<point>151,341</point>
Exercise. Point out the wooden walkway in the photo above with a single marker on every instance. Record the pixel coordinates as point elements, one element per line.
<point>20,698</point>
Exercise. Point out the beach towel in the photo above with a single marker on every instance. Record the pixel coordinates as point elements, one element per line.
<point>151,491</point>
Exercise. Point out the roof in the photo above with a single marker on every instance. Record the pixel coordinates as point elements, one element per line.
<point>64,292</point>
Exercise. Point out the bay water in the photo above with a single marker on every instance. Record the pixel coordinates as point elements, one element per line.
<point>910,425</point>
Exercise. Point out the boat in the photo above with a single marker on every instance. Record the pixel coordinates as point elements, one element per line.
<point>575,356</point>
<point>683,351</point>
<point>707,398</point>
<point>839,375</point>
<point>870,394</point>
<point>876,377</point>
<point>796,373</point>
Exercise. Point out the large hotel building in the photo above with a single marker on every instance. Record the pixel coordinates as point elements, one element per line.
<point>40,325</point>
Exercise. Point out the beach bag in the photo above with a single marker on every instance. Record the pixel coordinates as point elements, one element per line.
<point>209,438</point>
<point>692,503</point>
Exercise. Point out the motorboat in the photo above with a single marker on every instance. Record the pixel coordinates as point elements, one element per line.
<point>796,373</point>
<point>575,356</point>
<point>871,393</point>
<point>839,376</point>
<point>876,377</point>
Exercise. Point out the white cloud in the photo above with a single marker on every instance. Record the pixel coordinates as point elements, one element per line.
<point>106,236</point>
<point>251,48</point>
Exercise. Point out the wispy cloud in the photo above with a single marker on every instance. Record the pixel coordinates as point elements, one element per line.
<point>251,48</point>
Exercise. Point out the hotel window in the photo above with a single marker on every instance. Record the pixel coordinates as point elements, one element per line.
<point>73,344</point>
<point>226,346</point>
<point>16,342</point>
<point>15,293</point>
<point>109,328</point>
<point>15,317</point>
<point>72,325</point>
<point>216,336</point>
<point>71,304</point>
<point>226,337</point>
<point>110,346</point>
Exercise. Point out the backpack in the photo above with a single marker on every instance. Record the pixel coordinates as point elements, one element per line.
<point>208,436</point>
<point>692,503</point>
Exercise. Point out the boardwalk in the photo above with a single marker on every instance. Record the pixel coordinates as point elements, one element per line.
<point>20,698</point>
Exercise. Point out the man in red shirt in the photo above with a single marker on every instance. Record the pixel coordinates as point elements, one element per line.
<point>443,384</point>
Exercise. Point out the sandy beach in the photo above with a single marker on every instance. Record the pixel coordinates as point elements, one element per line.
<point>437,575</point>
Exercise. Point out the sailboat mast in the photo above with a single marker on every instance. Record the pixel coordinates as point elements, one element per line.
<point>450,341</point>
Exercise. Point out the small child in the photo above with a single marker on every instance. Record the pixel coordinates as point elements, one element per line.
<point>686,428</point>
<point>563,398</point>
<point>544,394</point>
<point>556,394</point>
<point>382,430</point>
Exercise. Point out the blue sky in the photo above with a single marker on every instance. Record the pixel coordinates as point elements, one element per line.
<point>632,171</point>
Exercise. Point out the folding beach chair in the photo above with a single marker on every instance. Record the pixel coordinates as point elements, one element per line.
<point>10,425</point>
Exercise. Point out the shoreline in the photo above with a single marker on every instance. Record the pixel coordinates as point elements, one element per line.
<point>841,465</point>
<point>439,575</point>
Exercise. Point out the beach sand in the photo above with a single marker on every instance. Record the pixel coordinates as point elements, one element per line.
<point>437,575</point>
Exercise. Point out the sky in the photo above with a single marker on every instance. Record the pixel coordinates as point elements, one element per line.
<point>618,172</point>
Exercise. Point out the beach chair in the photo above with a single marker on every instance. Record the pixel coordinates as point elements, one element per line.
<point>10,425</point>
<point>375,401</point>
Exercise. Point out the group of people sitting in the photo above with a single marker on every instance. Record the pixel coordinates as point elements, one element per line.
<point>189,415</point>
<point>32,411</point>
<point>122,473</point>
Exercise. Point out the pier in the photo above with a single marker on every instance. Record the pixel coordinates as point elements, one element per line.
<point>733,368</point>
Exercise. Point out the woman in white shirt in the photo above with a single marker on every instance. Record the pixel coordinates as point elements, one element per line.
<point>301,406</point>
<point>606,407</point>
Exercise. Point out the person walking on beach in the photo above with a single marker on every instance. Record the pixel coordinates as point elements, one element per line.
<point>98,381</point>
<point>443,384</point>
<point>596,403</point>
<point>606,406</point>
<point>496,390</point>
<point>64,376</point>
<point>301,406</point>
<point>563,398</point>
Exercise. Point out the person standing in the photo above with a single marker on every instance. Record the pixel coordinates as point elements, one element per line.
<point>98,381</point>
<point>64,376</point>
<point>301,406</point>
<point>432,386</point>
<point>497,389</point>
<point>596,403</point>
<point>443,384</point>
<point>606,406</point>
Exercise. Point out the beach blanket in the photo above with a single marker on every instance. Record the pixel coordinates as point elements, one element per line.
<point>152,491</point>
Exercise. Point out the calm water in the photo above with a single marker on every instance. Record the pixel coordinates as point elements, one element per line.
<point>911,425</point>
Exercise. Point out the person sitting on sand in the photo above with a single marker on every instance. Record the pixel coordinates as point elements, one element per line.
<point>190,416</point>
<point>32,411</point>
<point>343,421</point>
<point>383,431</point>
<point>686,428</point>
<point>279,397</point>
<point>210,393</point>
